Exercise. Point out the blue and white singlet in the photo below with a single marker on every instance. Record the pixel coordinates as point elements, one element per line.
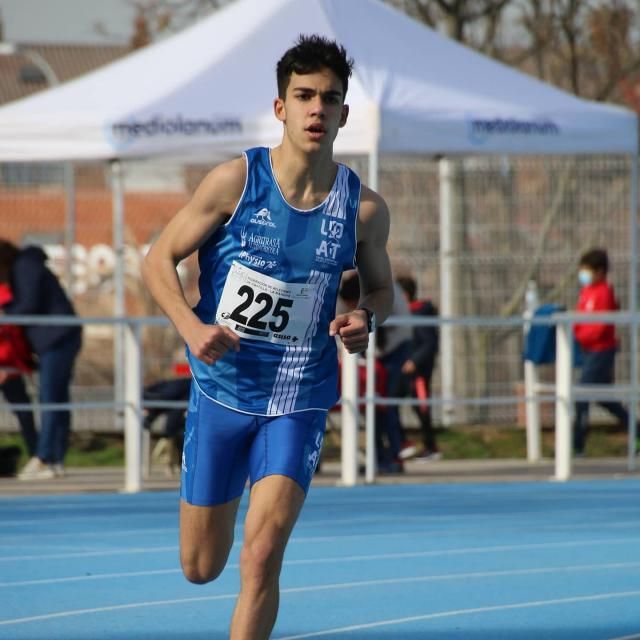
<point>272,274</point>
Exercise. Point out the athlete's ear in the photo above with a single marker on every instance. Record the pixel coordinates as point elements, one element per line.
<point>279,109</point>
<point>345,115</point>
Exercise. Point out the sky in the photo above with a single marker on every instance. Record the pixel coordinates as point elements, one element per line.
<point>69,21</point>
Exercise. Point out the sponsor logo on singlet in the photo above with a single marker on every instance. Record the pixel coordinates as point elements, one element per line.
<point>327,250</point>
<point>257,261</point>
<point>263,217</point>
<point>257,242</point>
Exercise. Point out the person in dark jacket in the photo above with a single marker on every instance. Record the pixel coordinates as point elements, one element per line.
<point>16,361</point>
<point>37,291</point>
<point>418,368</point>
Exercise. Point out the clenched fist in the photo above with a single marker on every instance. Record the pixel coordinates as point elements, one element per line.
<point>353,330</point>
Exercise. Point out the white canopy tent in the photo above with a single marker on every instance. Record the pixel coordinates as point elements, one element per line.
<point>210,88</point>
<point>208,91</point>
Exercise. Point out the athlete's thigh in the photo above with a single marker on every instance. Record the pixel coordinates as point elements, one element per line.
<point>206,538</point>
<point>274,507</point>
<point>215,457</point>
<point>288,445</point>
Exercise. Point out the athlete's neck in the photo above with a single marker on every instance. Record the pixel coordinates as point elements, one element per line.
<point>304,179</point>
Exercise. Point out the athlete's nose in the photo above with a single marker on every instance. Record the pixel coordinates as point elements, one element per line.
<point>317,106</point>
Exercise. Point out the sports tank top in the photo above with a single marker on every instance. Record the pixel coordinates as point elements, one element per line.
<point>272,274</point>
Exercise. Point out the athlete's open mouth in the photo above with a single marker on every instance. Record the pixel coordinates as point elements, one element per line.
<point>316,128</point>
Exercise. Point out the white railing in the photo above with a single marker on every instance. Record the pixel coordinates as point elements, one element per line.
<point>564,394</point>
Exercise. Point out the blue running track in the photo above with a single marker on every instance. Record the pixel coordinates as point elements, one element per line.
<point>524,561</point>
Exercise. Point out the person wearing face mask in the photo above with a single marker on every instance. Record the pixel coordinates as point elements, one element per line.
<point>598,341</point>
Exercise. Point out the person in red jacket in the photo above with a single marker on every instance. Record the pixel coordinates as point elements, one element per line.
<point>598,341</point>
<point>16,360</point>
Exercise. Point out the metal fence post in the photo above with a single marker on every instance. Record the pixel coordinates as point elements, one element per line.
<point>532,404</point>
<point>532,412</point>
<point>349,418</point>
<point>370,412</point>
<point>133,408</point>
<point>564,400</point>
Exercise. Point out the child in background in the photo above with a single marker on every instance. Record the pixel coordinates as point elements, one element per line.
<point>598,341</point>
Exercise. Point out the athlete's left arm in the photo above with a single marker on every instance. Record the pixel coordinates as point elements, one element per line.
<point>372,259</point>
<point>374,272</point>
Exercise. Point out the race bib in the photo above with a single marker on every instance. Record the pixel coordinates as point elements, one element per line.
<point>258,307</point>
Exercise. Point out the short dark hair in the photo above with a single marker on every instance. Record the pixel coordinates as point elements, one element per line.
<point>596,259</point>
<point>409,286</point>
<point>310,54</point>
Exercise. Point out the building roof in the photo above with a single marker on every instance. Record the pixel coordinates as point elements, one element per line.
<point>68,61</point>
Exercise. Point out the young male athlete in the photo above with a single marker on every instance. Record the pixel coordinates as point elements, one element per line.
<point>274,231</point>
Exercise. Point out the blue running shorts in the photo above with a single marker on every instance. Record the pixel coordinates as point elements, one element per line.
<point>223,447</point>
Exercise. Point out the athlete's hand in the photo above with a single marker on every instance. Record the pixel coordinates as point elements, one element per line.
<point>209,342</point>
<point>352,329</point>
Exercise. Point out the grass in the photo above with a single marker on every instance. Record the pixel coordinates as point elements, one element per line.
<point>493,442</point>
<point>458,443</point>
<point>85,450</point>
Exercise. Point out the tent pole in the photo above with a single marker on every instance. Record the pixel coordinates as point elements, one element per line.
<point>370,387</point>
<point>447,257</point>
<point>117,192</point>
<point>633,308</point>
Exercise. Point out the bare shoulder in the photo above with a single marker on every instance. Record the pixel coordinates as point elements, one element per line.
<point>212,204</point>
<point>373,215</point>
<point>222,187</point>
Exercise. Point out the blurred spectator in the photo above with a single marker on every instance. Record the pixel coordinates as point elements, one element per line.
<point>418,368</point>
<point>169,447</point>
<point>393,346</point>
<point>36,291</point>
<point>16,360</point>
<point>598,341</point>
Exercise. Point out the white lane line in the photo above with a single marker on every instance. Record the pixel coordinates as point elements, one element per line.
<point>465,612</point>
<point>437,552</point>
<point>635,636</point>
<point>524,526</point>
<point>88,554</point>
<point>594,510</point>
<point>94,576</point>
<point>340,586</point>
<point>88,518</point>
<point>4,539</point>
<point>115,607</point>
<point>434,577</point>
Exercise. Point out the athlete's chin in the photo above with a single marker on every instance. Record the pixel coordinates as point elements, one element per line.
<point>317,146</point>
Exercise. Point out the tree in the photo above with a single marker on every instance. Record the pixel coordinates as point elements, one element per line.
<point>154,18</point>
<point>590,48</point>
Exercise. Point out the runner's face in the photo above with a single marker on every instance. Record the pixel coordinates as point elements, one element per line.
<point>313,109</point>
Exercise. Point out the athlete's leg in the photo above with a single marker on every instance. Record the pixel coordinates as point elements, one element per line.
<point>283,459</point>
<point>274,507</point>
<point>215,467</point>
<point>206,538</point>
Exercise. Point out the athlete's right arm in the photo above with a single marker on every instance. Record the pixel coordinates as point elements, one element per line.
<point>211,205</point>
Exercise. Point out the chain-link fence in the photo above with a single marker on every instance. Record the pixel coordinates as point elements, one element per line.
<point>514,219</point>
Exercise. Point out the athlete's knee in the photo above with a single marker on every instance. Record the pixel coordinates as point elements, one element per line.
<point>199,569</point>
<point>261,558</point>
